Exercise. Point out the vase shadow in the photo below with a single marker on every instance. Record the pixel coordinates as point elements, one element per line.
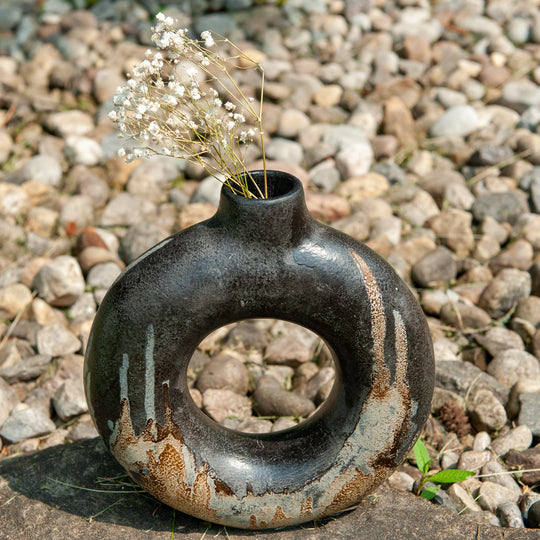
<point>83,479</point>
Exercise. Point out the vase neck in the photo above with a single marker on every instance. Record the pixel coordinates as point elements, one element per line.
<point>280,218</point>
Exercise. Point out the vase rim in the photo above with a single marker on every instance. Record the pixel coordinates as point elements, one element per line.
<point>282,186</point>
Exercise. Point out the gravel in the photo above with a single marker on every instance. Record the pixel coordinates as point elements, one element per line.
<point>415,128</point>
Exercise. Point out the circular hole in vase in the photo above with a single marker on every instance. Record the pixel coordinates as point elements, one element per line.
<point>261,375</point>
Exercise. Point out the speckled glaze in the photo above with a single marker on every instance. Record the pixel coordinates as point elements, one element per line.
<point>255,259</point>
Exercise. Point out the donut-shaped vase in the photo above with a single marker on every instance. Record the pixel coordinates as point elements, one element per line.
<point>259,259</point>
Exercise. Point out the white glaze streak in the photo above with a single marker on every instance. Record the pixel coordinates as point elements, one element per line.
<point>149,375</point>
<point>123,376</point>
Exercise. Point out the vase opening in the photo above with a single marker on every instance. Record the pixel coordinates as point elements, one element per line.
<point>278,183</point>
<point>261,375</point>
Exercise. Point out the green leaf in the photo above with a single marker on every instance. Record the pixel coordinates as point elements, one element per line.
<point>422,457</point>
<point>430,492</point>
<point>450,476</point>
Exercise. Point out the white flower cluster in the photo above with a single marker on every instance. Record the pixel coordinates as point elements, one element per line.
<point>180,103</point>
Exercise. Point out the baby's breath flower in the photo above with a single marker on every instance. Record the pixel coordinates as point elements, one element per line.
<point>208,39</point>
<point>175,104</point>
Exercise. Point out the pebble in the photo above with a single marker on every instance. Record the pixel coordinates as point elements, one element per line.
<point>125,209</point>
<point>471,460</point>
<point>25,423</point>
<point>459,120</point>
<point>25,369</point>
<point>83,151</point>
<point>508,287</point>
<point>43,169</point>
<point>14,299</point>
<point>462,500</point>
<point>496,473</point>
<point>502,207</point>
<point>224,372</point>
<point>56,340</point>
<point>530,412</point>
<point>73,122</point>
<point>222,403</point>
<point>60,282</point>
<point>513,364</point>
<point>486,412</point>
<point>435,267</point>
<point>271,400</point>
<point>69,400</point>
<point>8,400</point>
<point>519,438</point>
<point>492,495</point>
<point>287,350</point>
<point>139,238</point>
<point>510,515</point>
<point>498,339</point>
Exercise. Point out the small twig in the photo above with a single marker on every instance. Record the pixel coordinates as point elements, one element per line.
<point>89,519</point>
<point>16,320</point>
<point>519,471</point>
<point>91,489</point>
<point>503,163</point>
<point>9,114</point>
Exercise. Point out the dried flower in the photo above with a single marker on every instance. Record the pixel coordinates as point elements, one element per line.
<point>455,419</point>
<point>185,103</point>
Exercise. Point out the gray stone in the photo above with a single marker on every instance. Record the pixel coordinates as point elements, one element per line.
<point>103,275</point>
<point>533,516</point>
<point>282,423</point>
<point>513,364</point>
<point>6,146</point>
<point>496,473</point>
<point>225,371</point>
<point>60,282</point>
<point>519,438</point>
<point>510,515</point>
<point>492,495</point>
<point>140,238</point>
<point>500,206</point>
<point>280,149</point>
<point>14,201</point>
<point>530,412</point>
<point>26,423</point>
<point>288,350</point>
<point>460,120</point>
<point>355,225</point>
<point>220,23</point>
<point>255,425</point>
<point>486,412</point>
<point>150,178</point>
<point>463,377</point>
<point>10,15</point>
<point>25,370</point>
<point>419,209</point>
<point>73,122</point>
<point>69,400</point>
<point>8,400</point>
<point>463,501</point>
<point>56,340</point>
<point>208,191</point>
<point>490,154</point>
<point>42,168</point>
<point>126,209</point>
<point>312,388</point>
<point>401,481</point>
<point>473,461</point>
<point>78,210</point>
<point>83,151</point>
<point>481,441</point>
<point>498,339</point>
<point>521,94</point>
<point>222,403</point>
<point>83,309</point>
<point>82,432</point>
<point>269,399</point>
<point>437,266</point>
<point>14,299</point>
<point>325,175</point>
<point>506,290</point>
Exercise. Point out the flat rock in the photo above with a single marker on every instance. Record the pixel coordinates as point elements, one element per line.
<point>26,423</point>
<point>57,508</point>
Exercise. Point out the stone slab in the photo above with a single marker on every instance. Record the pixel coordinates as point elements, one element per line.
<point>60,493</point>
